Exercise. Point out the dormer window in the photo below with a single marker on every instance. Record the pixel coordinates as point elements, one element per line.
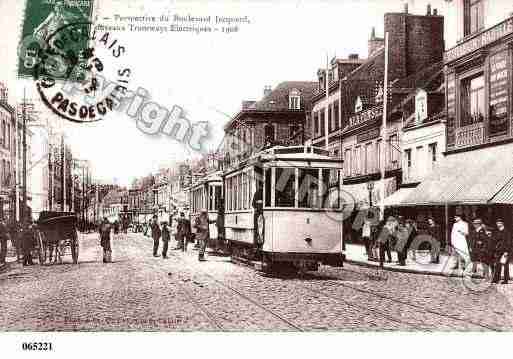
<point>294,99</point>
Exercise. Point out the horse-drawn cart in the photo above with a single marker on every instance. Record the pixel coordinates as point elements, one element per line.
<point>57,231</point>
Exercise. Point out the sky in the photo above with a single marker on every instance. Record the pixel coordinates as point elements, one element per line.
<point>208,75</point>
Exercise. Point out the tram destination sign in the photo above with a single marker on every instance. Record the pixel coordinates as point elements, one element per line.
<point>481,40</point>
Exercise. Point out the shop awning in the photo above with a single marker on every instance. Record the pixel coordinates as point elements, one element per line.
<point>474,177</point>
<point>398,196</point>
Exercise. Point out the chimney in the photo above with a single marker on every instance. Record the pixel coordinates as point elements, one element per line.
<point>435,12</point>
<point>353,57</point>
<point>3,93</point>
<point>373,33</point>
<point>405,7</point>
<point>267,90</point>
<point>429,10</point>
<point>246,105</point>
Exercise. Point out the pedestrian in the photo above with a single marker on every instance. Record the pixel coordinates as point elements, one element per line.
<point>4,239</point>
<point>500,249</point>
<point>385,237</point>
<point>402,234</point>
<point>186,229</point>
<point>155,234</point>
<point>104,230</point>
<point>165,239</point>
<point>479,243</point>
<point>220,225</point>
<point>180,232</point>
<point>460,247</point>
<point>433,230</point>
<point>366,234</point>
<point>202,233</point>
<point>27,237</point>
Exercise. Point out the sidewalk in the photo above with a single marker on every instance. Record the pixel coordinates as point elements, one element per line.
<point>355,254</point>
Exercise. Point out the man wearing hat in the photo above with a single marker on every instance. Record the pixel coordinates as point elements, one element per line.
<point>479,240</point>
<point>459,243</point>
<point>385,238</point>
<point>155,234</point>
<point>202,233</point>
<point>501,248</point>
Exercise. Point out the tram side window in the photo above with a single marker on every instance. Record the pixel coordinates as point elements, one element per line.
<point>267,186</point>
<point>285,187</point>
<point>308,188</point>
<point>330,188</point>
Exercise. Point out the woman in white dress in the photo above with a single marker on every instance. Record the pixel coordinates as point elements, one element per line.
<point>459,242</point>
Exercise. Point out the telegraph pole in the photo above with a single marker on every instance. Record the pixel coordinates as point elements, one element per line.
<point>383,131</point>
<point>63,174</point>
<point>24,144</point>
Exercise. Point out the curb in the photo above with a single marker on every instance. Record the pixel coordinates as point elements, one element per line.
<point>402,270</point>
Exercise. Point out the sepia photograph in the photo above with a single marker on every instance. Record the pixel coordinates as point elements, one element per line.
<point>174,171</point>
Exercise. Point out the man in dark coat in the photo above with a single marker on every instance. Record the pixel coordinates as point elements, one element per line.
<point>104,230</point>
<point>501,247</point>
<point>479,243</point>
<point>155,234</point>
<point>27,237</point>
<point>166,236</point>
<point>385,237</point>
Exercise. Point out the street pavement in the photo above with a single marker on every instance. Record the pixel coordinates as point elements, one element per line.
<point>143,293</point>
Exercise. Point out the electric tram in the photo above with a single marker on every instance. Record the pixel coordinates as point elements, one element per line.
<point>206,195</point>
<point>282,206</point>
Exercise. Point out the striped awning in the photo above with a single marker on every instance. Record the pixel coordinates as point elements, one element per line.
<point>474,177</point>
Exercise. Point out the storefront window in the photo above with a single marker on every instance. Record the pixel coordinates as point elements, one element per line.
<point>285,187</point>
<point>472,100</point>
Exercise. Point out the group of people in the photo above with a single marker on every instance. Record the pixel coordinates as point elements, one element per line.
<point>181,229</point>
<point>487,247</point>
<point>490,247</point>
<point>402,236</point>
<point>22,237</point>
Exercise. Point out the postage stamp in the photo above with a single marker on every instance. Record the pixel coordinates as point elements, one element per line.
<point>42,19</point>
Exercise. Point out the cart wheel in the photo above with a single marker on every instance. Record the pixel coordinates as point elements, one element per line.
<point>74,248</point>
<point>42,248</point>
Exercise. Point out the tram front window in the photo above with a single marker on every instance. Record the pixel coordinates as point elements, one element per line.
<point>308,188</point>
<point>285,187</point>
<point>330,183</point>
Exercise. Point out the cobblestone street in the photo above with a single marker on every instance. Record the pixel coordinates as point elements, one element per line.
<point>140,292</point>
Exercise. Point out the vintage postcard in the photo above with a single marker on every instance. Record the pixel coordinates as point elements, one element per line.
<point>254,166</point>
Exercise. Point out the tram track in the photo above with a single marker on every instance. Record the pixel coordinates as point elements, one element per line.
<point>236,292</point>
<point>375,294</point>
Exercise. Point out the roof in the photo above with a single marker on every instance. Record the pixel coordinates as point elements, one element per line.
<point>278,99</point>
<point>473,177</point>
<point>427,79</point>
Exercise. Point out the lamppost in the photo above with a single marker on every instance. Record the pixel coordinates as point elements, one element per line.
<point>370,187</point>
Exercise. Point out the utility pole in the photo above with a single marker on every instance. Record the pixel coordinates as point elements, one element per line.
<point>327,111</point>
<point>24,144</point>
<point>63,174</point>
<point>383,131</point>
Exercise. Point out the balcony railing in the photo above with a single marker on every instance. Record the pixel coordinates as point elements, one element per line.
<point>470,135</point>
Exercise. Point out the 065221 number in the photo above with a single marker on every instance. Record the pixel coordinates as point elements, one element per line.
<point>37,346</point>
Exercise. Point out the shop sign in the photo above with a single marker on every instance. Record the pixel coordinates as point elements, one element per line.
<point>481,40</point>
